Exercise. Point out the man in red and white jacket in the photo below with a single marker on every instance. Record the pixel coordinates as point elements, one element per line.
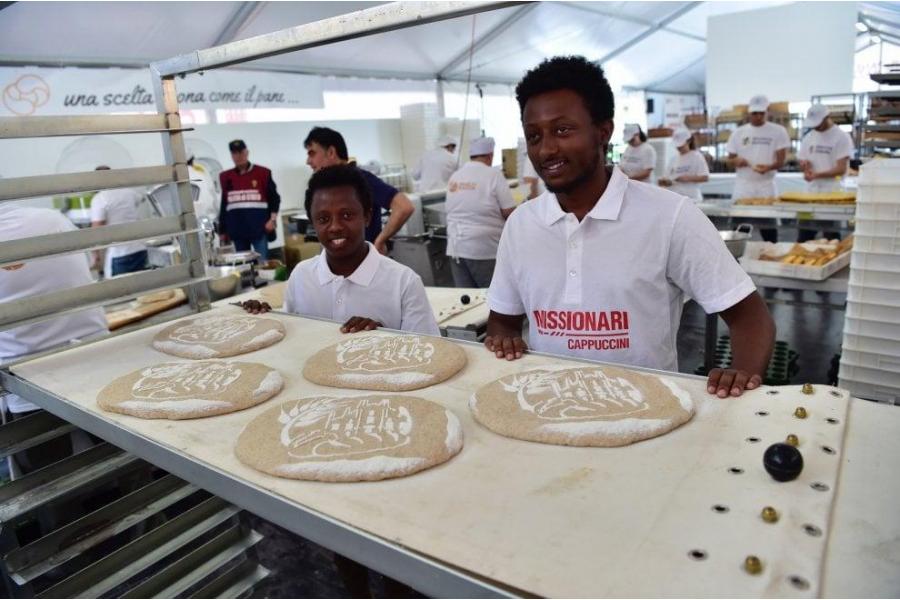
<point>250,203</point>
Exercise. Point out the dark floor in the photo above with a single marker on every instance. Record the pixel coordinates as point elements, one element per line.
<point>301,569</point>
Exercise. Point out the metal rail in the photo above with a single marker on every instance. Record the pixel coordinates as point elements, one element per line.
<point>32,127</point>
<point>69,183</point>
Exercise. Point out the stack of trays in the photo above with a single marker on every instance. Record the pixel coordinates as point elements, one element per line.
<point>870,358</point>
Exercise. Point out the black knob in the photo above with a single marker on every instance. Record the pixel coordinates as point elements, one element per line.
<point>465,299</point>
<point>783,462</point>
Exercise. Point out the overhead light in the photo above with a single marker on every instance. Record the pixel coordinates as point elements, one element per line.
<point>861,27</point>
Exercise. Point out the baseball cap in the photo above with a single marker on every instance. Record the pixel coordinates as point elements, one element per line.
<point>681,137</point>
<point>631,130</point>
<point>815,115</point>
<point>759,104</point>
<point>481,146</point>
<point>237,145</point>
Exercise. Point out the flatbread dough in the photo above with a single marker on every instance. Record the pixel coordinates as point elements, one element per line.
<point>385,362</point>
<point>189,390</point>
<point>350,438</point>
<point>582,406</point>
<point>154,297</point>
<point>218,336</point>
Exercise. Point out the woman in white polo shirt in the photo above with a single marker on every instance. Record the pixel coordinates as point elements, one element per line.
<point>600,265</point>
<point>639,158</point>
<point>688,170</point>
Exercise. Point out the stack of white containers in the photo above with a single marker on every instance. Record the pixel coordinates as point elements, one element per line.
<point>420,128</point>
<point>870,358</point>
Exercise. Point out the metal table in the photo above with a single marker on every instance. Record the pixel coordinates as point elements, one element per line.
<point>780,210</point>
<point>491,526</point>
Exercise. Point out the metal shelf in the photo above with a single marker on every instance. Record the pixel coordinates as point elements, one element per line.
<point>886,78</point>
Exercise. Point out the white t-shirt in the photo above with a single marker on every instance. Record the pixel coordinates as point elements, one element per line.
<point>689,163</point>
<point>116,207</point>
<point>611,288</point>
<point>475,195</point>
<point>38,277</point>
<point>434,169</point>
<point>757,145</point>
<point>824,149</point>
<point>380,289</point>
<point>639,158</point>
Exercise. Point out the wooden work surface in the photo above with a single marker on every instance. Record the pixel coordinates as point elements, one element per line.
<point>560,521</point>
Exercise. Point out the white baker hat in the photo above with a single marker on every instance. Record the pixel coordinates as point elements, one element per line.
<point>447,140</point>
<point>481,146</point>
<point>681,137</point>
<point>815,115</point>
<point>759,103</point>
<point>631,130</point>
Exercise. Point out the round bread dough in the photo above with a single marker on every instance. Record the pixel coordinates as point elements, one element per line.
<point>218,336</point>
<point>189,390</point>
<point>582,406</point>
<point>350,438</point>
<point>385,362</point>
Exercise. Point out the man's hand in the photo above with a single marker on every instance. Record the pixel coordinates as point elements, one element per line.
<point>725,382</point>
<point>270,226</point>
<point>380,244</point>
<point>256,307</point>
<point>664,182</point>
<point>508,347</point>
<point>809,175</point>
<point>762,169</point>
<point>683,179</point>
<point>740,162</point>
<point>356,324</point>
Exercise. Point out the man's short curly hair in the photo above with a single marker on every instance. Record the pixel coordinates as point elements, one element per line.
<point>337,176</point>
<point>575,73</point>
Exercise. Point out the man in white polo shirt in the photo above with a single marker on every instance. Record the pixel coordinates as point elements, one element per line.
<point>757,150</point>
<point>824,155</point>
<point>600,265</point>
<point>478,203</point>
<point>115,207</point>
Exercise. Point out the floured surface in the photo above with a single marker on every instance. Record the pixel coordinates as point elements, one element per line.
<point>190,390</point>
<point>385,361</point>
<point>217,335</point>
<point>584,406</point>
<point>548,520</point>
<point>350,438</point>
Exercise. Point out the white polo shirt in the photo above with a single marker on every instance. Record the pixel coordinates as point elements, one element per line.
<point>115,207</point>
<point>611,288</point>
<point>475,196</point>
<point>824,149</point>
<point>380,288</point>
<point>38,277</point>
<point>757,145</point>
<point>637,159</point>
<point>689,163</point>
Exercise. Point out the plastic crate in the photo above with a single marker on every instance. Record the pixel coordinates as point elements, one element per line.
<point>882,211</point>
<point>877,227</point>
<point>876,243</point>
<point>870,391</point>
<point>883,370</point>
<point>874,345</point>
<point>876,261</point>
<point>874,295</point>
<point>870,277</point>
<point>882,313</point>
<point>871,326</point>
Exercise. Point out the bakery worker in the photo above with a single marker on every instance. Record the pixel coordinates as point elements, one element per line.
<point>688,170</point>
<point>115,207</point>
<point>206,205</point>
<point>600,265</point>
<point>19,282</point>
<point>325,148</point>
<point>436,166</point>
<point>757,150</point>
<point>639,157</point>
<point>478,204</point>
<point>824,155</point>
<point>250,202</point>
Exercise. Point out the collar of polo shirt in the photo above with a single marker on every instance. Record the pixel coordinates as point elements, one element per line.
<point>363,274</point>
<point>607,207</point>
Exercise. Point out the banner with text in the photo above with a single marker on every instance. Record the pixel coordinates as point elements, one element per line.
<point>39,91</point>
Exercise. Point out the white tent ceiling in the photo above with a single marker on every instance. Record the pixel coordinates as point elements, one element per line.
<point>642,45</point>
